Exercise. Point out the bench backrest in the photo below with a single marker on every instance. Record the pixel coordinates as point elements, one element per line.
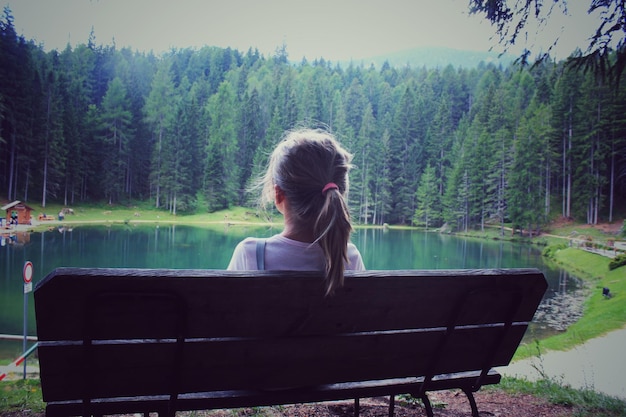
<point>133,332</point>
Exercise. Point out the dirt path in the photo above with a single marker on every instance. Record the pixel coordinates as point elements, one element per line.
<point>598,364</point>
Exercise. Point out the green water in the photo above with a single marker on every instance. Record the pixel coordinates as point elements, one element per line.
<point>175,246</point>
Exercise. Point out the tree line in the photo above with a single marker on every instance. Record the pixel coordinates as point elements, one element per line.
<point>190,129</point>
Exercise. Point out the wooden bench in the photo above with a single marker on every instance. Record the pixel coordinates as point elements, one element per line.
<point>115,341</point>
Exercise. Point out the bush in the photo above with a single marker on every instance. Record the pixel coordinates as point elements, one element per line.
<point>619,260</point>
<point>549,251</point>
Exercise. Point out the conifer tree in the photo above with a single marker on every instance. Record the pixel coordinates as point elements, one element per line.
<point>403,149</point>
<point>159,111</point>
<point>54,149</point>
<point>250,137</point>
<point>427,197</point>
<point>115,134</point>
<point>222,172</point>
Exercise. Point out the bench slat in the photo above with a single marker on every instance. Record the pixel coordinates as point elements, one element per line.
<point>368,302</point>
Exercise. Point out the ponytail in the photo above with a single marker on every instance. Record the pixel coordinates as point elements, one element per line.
<point>333,229</point>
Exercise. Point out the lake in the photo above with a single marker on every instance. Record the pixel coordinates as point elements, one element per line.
<point>182,247</point>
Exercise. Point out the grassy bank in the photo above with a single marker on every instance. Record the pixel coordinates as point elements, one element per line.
<point>143,213</point>
<point>601,315</point>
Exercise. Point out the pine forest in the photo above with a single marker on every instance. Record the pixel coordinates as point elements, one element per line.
<point>190,130</point>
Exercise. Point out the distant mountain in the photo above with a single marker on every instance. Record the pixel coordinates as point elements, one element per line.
<point>434,58</point>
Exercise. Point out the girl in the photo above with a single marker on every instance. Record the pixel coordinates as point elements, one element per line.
<point>307,180</point>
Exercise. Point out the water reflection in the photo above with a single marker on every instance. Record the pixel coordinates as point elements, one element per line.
<point>564,306</point>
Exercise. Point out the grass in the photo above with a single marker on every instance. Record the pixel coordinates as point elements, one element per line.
<point>142,213</point>
<point>22,396</point>
<point>583,403</point>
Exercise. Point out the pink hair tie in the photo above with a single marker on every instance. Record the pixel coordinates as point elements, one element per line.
<point>329,186</point>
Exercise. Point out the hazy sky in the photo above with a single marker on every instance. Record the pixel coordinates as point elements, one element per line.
<point>332,29</point>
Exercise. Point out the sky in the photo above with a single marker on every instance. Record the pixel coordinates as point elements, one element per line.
<point>336,30</point>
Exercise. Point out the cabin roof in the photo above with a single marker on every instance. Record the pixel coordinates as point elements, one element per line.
<point>13,204</point>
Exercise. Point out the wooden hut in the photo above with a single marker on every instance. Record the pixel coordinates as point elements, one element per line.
<point>17,210</point>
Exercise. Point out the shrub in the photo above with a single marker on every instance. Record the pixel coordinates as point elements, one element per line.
<point>619,260</point>
<point>549,251</point>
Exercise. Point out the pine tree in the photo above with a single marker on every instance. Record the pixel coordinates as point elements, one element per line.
<point>222,172</point>
<point>566,112</point>
<point>403,150</point>
<point>159,113</point>
<point>54,150</point>
<point>455,201</point>
<point>361,175</point>
<point>81,124</point>
<point>381,183</point>
<point>530,170</point>
<point>17,91</point>
<point>115,133</point>
<point>177,177</point>
<point>250,136</point>
<point>439,140</point>
<point>428,209</point>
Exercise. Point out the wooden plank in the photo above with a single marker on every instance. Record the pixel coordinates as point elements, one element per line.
<point>229,307</point>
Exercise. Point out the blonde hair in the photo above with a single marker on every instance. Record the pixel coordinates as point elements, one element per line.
<point>302,165</point>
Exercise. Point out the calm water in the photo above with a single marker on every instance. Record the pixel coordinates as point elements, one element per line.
<point>175,246</point>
